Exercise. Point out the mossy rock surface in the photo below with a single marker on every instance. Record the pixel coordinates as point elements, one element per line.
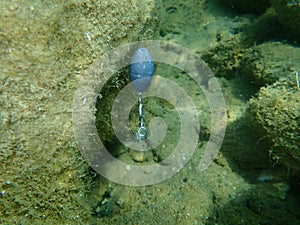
<point>288,14</point>
<point>277,114</point>
<point>224,59</point>
<point>266,63</point>
<point>45,48</point>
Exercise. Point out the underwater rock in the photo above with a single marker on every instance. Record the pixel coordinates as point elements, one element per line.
<point>224,59</point>
<point>276,112</point>
<point>138,157</point>
<point>266,63</point>
<point>45,49</point>
<point>288,14</point>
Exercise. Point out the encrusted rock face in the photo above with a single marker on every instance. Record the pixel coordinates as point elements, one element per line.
<point>272,68</point>
<point>288,13</point>
<point>266,63</point>
<point>45,49</point>
<point>277,114</point>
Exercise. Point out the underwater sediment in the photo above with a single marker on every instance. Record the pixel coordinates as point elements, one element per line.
<point>46,48</point>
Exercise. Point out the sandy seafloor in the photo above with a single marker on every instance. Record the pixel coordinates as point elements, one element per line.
<point>46,46</point>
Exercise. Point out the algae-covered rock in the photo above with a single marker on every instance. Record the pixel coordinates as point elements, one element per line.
<point>266,63</point>
<point>276,111</point>
<point>45,49</point>
<point>225,58</point>
<point>248,6</point>
<point>288,14</point>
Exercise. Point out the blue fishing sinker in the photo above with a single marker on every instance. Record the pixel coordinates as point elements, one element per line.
<point>141,69</point>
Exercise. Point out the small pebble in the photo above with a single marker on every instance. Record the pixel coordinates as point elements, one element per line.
<point>120,202</point>
<point>138,157</point>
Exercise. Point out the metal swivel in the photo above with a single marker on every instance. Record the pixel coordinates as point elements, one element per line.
<point>140,73</point>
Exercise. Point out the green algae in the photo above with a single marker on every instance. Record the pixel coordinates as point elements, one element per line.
<point>288,13</point>
<point>281,125</point>
<point>267,63</point>
<point>45,51</point>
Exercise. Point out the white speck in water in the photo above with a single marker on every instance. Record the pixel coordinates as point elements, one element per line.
<point>84,100</point>
<point>88,36</point>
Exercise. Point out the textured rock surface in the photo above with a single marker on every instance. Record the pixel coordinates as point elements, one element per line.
<point>288,14</point>
<point>268,62</point>
<point>45,49</point>
<point>277,114</point>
